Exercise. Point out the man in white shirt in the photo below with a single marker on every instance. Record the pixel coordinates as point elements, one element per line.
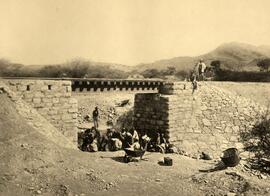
<point>201,69</point>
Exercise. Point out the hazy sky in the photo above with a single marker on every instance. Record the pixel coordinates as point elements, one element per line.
<point>126,31</point>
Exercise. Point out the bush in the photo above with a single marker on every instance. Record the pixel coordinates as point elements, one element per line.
<point>125,121</point>
<point>264,64</point>
<point>151,73</point>
<point>237,76</point>
<point>182,74</point>
<point>73,69</point>
<point>257,141</point>
<point>52,71</point>
<point>165,73</point>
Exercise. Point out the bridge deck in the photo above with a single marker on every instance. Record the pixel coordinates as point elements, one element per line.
<point>101,84</point>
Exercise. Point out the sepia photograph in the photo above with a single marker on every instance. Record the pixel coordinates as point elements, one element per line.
<point>134,97</point>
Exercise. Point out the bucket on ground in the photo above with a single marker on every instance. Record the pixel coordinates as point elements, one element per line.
<point>168,161</point>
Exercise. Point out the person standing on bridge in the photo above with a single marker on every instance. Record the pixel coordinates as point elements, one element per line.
<point>95,117</point>
<point>194,83</point>
<point>201,69</point>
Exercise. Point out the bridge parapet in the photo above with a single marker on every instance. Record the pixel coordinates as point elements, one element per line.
<point>84,85</point>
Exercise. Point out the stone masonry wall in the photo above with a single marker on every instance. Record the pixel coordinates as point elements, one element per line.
<point>52,99</point>
<point>34,119</point>
<point>209,120</point>
<point>151,113</point>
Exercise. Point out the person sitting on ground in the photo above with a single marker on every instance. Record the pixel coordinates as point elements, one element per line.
<point>164,144</point>
<point>110,141</point>
<point>93,147</point>
<point>86,139</point>
<point>90,143</point>
<point>155,141</point>
<point>152,143</point>
<point>144,140</point>
<point>106,140</point>
<point>115,141</point>
<point>95,132</point>
<point>103,142</point>
<point>123,138</point>
<point>142,135</point>
<point>133,139</point>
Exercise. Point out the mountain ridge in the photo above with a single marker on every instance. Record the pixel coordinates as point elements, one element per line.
<point>234,55</point>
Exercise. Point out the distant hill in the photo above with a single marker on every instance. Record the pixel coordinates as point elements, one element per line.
<point>234,56</point>
<point>74,68</point>
<point>113,66</point>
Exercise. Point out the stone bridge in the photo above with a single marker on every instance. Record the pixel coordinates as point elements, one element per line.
<point>209,120</point>
<point>52,97</point>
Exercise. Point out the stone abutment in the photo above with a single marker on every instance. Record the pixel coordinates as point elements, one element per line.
<point>52,99</point>
<point>210,120</point>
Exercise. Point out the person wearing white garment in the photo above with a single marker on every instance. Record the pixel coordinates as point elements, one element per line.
<point>201,69</point>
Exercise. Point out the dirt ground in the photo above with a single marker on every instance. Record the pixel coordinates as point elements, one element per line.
<point>31,164</point>
<point>108,104</point>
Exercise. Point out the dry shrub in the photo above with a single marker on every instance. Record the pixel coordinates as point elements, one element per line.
<point>257,141</point>
<point>125,121</point>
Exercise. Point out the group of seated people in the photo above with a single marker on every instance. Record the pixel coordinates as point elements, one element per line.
<point>92,140</point>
